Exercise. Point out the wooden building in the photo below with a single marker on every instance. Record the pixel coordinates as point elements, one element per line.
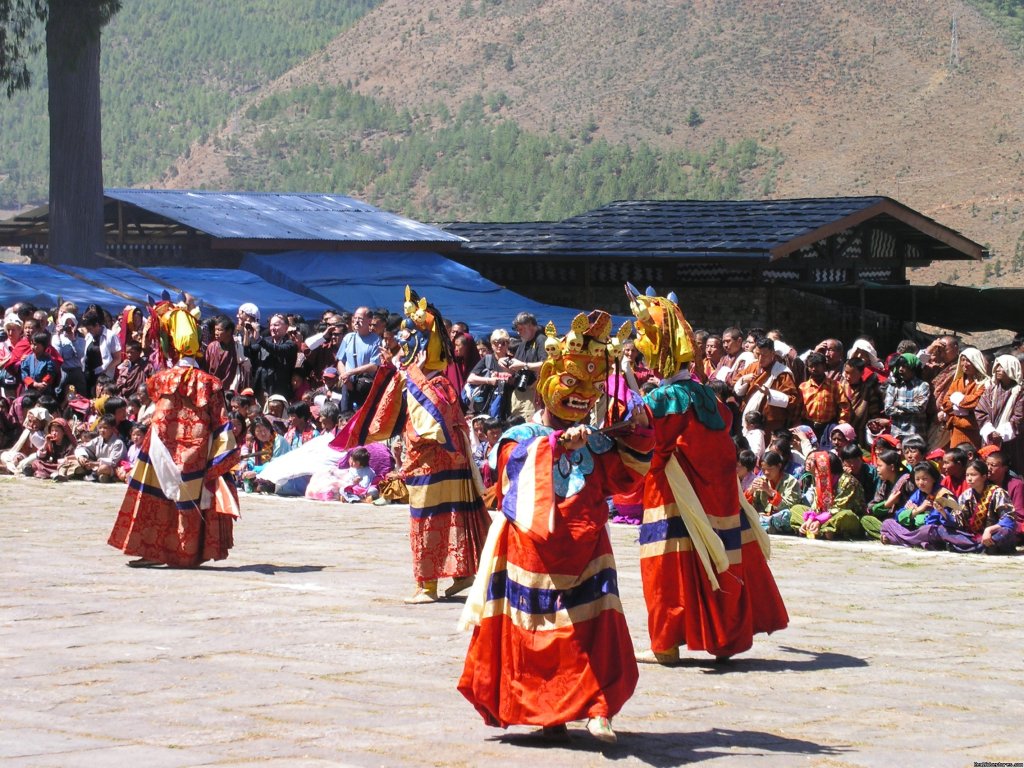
<point>814,267</point>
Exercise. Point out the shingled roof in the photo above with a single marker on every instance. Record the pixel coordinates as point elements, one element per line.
<point>701,229</point>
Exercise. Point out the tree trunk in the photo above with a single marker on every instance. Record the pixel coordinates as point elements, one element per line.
<point>76,155</point>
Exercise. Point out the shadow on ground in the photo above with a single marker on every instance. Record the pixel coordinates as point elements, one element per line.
<point>670,749</point>
<point>813,661</point>
<point>268,568</point>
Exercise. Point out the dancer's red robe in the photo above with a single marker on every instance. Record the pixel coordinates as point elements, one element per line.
<point>692,432</point>
<point>551,642</point>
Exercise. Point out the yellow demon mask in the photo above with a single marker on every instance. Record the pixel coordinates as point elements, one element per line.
<point>663,336</point>
<point>424,331</point>
<point>573,377</point>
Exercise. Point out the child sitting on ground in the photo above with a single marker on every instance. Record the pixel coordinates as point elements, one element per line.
<point>357,482</point>
<point>59,444</point>
<point>97,458</point>
<point>18,459</point>
<point>127,465</point>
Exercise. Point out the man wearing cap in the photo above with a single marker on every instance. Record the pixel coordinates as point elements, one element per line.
<point>329,388</point>
<point>358,360</point>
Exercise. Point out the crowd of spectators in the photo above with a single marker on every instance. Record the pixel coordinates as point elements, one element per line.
<point>920,447</point>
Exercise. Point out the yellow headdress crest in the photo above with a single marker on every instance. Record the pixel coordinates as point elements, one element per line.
<point>573,376</point>
<point>424,331</point>
<point>663,336</point>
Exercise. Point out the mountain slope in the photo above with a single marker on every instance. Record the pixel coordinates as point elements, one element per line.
<point>858,97</point>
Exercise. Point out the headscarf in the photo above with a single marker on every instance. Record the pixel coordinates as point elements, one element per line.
<point>69,435</point>
<point>846,430</point>
<point>252,310</point>
<point>911,360</point>
<point>863,345</point>
<point>1010,365</point>
<point>977,359</point>
<point>40,414</point>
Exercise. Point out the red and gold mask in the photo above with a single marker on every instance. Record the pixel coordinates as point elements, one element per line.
<point>573,377</point>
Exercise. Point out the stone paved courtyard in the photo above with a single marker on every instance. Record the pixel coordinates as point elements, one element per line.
<point>297,651</point>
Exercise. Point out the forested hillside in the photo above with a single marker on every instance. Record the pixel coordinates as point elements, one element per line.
<point>173,71</point>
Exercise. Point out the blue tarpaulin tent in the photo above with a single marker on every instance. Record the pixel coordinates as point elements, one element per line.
<point>352,279</point>
<point>218,290</point>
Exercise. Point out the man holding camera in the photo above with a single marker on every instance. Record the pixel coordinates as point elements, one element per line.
<point>524,365</point>
<point>358,360</point>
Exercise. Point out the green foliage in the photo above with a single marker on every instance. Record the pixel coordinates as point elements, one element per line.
<point>471,165</point>
<point>1007,14</point>
<point>173,71</point>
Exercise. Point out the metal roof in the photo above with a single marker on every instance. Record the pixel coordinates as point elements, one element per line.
<point>727,229</point>
<point>280,216</point>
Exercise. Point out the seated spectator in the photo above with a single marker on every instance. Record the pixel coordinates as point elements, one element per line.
<point>854,464</point>
<point>59,444</point>
<point>913,450</point>
<point>774,493</point>
<point>746,469</point>
<point>983,520</point>
<point>266,445</point>
<point>836,502</point>
<point>954,471</point>
<point>841,436</point>
<point>753,431</point>
<point>95,459</point>
<point>118,408</point>
<point>357,483</point>
<point>300,426</point>
<point>131,456</point>
<point>956,408</point>
<point>133,371</point>
<point>1000,411</point>
<point>39,372</point>
<point>891,492</point>
<point>999,473</point>
<point>805,441</point>
<point>927,496</point>
<point>906,398</point>
<point>19,457</point>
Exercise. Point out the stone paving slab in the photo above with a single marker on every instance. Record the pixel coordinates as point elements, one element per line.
<point>297,651</point>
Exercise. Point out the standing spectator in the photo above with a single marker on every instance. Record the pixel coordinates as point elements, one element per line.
<point>71,347</point>
<point>358,360</point>
<point>1000,411</point>
<point>860,397</point>
<point>102,348</point>
<point>766,385</point>
<point>906,398</point>
<point>13,351</point>
<point>832,349</point>
<point>821,398</point>
<point>732,346</point>
<point>487,379</point>
<point>524,367</point>
<point>956,409</point>
<point>273,357</point>
<point>942,355</point>
<point>225,356</point>
<point>322,351</point>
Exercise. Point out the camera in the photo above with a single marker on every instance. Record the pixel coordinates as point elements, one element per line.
<point>523,379</point>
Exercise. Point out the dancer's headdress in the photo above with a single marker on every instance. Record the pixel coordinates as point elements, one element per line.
<point>424,331</point>
<point>175,328</point>
<point>663,336</point>
<point>573,376</point>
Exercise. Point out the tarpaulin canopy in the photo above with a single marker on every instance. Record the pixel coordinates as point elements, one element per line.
<point>353,279</point>
<point>217,290</point>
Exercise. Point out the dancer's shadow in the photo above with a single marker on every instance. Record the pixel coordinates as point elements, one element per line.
<point>671,749</point>
<point>814,661</point>
<point>267,568</point>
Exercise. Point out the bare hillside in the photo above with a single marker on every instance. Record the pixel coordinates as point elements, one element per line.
<point>860,97</point>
